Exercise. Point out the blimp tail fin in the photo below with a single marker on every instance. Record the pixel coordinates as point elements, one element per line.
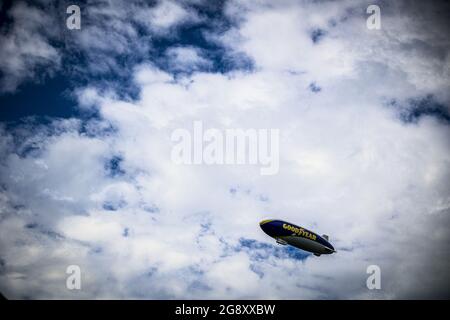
<point>325,237</point>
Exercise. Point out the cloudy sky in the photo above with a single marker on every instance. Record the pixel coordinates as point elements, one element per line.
<point>87,179</point>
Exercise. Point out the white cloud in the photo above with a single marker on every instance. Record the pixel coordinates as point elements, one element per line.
<point>26,47</point>
<point>112,37</point>
<point>165,15</point>
<point>186,59</point>
<point>348,168</point>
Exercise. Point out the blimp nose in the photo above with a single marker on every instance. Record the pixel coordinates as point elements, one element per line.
<point>265,222</point>
<point>265,225</point>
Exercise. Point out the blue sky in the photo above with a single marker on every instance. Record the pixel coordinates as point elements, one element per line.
<point>86,176</point>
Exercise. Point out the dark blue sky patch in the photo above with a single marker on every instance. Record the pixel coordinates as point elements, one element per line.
<point>5,18</point>
<point>151,271</point>
<point>295,253</point>
<point>96,250</point>
<point>314,87</point>
<point>31,225</point>
<point>113,166</point>
<point>205,227</point>
<point>114,205</point>
<point>42,68</point>
<point>241,190</point>
<point>151,208</point>
<point>14,206</point>
<point>198,285</point>
<point>27,138</point>
<point>317,35</point>
<point>88,66</point>
<point>194,36</point>
<point>426,106</point>
<point>52,234</point>
<point>261,251</point>
<point>49,99</point>
<point>332,23</point>
<point>30,136</point>
<point>412,110</point>
<point>257,269</point>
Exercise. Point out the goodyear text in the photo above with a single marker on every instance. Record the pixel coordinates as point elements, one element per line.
<point>299,231</point>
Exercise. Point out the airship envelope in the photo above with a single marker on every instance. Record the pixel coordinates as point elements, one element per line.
<point>287,233</point>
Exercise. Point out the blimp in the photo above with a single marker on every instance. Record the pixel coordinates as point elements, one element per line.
<point>288,233</point>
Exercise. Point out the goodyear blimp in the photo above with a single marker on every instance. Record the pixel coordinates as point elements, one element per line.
<point>287,233</point>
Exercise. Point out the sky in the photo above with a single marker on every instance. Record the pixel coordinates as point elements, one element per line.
<point>87,178</point>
